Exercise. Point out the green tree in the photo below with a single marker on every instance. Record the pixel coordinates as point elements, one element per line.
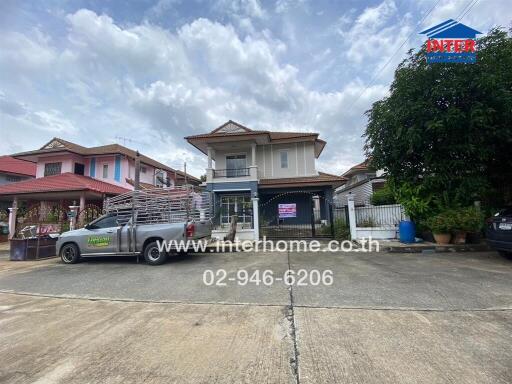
<point>448,126</point>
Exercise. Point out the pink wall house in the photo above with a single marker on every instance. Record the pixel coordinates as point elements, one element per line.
<point>112,163</point>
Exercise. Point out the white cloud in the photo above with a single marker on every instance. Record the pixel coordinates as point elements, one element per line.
<point>157,86</point>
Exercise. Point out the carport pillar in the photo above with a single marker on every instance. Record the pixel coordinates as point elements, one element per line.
<point>74,216</point>
<point>12,218</point>
<point>352,216</point>
<point>82,201</point>
<point>256,218</point>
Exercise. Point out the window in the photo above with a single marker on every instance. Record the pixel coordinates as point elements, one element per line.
<point>236,205</point>
<point>161,179</point>
<point>104,222</point>
<point>105,171</point>
<point>143,169</point>
<point>12,179</point>
<point>52,169</point>
<point>79,169</point>
<point>284,159</point>
<point>236,166</point>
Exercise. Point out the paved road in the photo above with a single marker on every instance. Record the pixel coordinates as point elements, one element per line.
<point>387,318</point>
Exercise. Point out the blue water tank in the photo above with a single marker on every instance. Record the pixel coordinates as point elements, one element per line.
<point>407,231</point>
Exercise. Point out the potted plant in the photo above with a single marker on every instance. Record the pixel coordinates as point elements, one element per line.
<point>441,226</point>
<point>467,220</point>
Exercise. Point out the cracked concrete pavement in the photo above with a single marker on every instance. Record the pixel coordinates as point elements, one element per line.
<point>388,318</point>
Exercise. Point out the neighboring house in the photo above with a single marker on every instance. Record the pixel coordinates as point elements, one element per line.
<point>70,174</point>
<point>13,170</point>
<point>257,173</point>
<point>362,181</point>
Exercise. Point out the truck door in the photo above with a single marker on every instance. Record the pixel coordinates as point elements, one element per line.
<point>101,237</point>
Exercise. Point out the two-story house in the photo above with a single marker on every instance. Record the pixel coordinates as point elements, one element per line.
<point>362,181</point>
<point>267,179</point>
<point>70,174</point>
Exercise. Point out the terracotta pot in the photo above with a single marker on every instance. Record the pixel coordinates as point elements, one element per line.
<point>442,238</point>
<point>460,237</point>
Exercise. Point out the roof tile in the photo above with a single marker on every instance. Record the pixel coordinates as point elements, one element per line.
<point>64,182</point>
<point>9,164</point>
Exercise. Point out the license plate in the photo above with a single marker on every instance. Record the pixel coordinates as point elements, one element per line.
<point>505,226</point>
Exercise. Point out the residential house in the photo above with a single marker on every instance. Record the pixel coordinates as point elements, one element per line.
<point>266,179</point>
<point>70,174</point>
<point>13,170</point>
<point>362,181</point>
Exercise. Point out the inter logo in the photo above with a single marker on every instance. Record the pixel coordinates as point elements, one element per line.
<point>451,42</point>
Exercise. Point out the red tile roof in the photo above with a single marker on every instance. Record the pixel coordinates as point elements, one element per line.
<point>64,182</point>
<point>9,164</point>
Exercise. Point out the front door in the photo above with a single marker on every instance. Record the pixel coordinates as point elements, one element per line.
<point>101,236</point>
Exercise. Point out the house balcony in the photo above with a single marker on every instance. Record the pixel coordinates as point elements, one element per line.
<point>232,174</point>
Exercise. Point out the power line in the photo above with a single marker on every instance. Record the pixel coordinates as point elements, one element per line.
<point>469,10</point>
<point>393,55</point>
<point>464,9</point>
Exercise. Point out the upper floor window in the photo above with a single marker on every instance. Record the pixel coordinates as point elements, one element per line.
<point>79,169</point>
<point>284,159</point>
<point>236,165</point>
<point>143,169</point>
<point>161,179</point>
<point>52,169</point>
<point>105,171</point>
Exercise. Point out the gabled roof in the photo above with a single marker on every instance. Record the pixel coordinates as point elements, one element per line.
<point>361,167</point>
<point>57,145</point>
<point>9,164</point>
<point>64,182</point>
<point>451,29</point>
<point>233,130</point>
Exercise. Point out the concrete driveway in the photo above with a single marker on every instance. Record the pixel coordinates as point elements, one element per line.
<point>387,318</point>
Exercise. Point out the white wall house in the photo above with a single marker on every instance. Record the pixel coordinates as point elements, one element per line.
<point>361,183</point>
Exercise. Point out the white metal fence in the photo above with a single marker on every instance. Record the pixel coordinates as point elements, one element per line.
<point>387,216</point>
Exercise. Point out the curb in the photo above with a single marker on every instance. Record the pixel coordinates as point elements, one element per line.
<point>438,248</point>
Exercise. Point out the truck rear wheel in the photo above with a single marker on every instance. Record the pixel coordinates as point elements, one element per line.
<point>69,254</point>
<point>152,254</point>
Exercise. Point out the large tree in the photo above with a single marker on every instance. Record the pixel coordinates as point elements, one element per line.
<point>448,127</point>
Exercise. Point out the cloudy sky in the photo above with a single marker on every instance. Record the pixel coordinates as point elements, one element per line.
<point>94,72</point>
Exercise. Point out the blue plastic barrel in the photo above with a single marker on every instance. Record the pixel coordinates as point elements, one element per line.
<point>407,231</point>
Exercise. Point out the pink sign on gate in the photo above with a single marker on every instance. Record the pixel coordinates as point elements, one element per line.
<point>287,210</point>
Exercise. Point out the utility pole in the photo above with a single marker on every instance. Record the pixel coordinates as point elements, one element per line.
<point>136,183</point>
<point>185,168</point>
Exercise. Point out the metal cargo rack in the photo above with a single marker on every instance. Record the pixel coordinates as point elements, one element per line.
<point>160,205</point>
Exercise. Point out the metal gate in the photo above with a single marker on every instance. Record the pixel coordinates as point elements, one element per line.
<point>301,214</point>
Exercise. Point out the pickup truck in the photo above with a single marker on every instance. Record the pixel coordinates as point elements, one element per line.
<point>107,236</point>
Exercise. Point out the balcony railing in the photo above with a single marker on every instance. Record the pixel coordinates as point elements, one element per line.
<point>234,172</point>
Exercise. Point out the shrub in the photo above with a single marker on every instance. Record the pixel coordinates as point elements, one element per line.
<point>443,222</point>
<point>468,219</point>
<point>383,196</point>
<point>341,230</point>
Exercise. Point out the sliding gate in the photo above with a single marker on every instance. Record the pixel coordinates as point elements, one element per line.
<point>299,214</point>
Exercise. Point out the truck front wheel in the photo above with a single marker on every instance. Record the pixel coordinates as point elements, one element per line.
<point>70,254</point>
<point>152,254</point>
